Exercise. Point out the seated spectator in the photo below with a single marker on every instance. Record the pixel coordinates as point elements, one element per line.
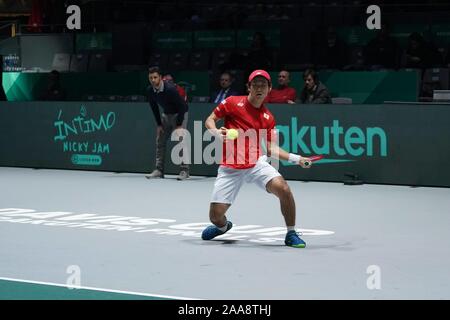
<point>447,58</point>
<point>417,54</point>
<point>381,51</point>
<point>278,13</point>
<point>436,58</point>
<point>283,93</point>
<point>226,81</point>
<point>332,53</point>
<point>314,91</point>
<point>259,56</point>
<point>169,78</point>
<point>2,92</point>
<point>54,90</point>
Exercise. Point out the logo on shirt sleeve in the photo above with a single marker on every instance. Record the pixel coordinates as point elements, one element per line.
<point>266,116</point>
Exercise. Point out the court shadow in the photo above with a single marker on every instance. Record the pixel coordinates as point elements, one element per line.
<point>345,246</point>
<point>191,178</point>
<point>124,175</point>
<point>128,175</point>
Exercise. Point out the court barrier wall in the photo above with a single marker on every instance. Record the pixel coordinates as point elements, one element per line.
<point>404,144</point>
<point>368,87</point>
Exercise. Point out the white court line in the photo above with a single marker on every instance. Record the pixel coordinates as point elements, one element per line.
<point>99,289</point>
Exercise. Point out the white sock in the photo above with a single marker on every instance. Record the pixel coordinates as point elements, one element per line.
<point>290,228</point>
<point>224,228</point>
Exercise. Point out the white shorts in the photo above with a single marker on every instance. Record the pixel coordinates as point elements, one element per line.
<point>229,180</point>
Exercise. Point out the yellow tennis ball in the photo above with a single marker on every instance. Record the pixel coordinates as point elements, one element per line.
<point>232,134</point>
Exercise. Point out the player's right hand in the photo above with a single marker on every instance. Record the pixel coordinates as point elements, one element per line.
<point>305,163</point>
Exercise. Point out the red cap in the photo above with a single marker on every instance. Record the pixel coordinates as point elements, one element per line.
<point>259,73</point>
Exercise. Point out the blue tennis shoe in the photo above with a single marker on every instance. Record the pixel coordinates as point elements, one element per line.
<point>212,231</point>
<point>293,240</point>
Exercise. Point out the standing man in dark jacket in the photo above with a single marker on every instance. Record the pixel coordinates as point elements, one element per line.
<point>314,91</point>
<point>162,94</point>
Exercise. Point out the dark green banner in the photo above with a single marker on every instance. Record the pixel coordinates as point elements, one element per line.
<point>393,144</point>
<point>373,87</point>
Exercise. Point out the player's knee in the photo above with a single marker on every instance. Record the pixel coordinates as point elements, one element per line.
<point>281,189</point>
<point>285,190</point>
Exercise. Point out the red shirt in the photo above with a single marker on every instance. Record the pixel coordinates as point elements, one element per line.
<point>239,113</point>
<point>281,95</point>
<point>181,92</point>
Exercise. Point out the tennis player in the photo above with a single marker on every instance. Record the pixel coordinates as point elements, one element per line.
<point>245,162</point>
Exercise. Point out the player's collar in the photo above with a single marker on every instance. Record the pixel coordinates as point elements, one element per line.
<point>251,105</point>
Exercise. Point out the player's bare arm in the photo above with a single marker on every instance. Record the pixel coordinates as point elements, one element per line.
<point>276,152</point>
<point>210,124</point>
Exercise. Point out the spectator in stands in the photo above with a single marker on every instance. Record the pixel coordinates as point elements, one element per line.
<point>283,93</point>
<point>54,91</point>
<point>314,91</point>
<point>332,52</point>
<point>278,12</point>
<point>447,58</point>
<point>259,56</point>
<point>436,58</point>
<point>258,13</point>
<point>417,53</point>
<point>163,94</point>
<point>226,90</point>
<point>2,92</point>
<point>169,78</point>
<point>381,51</point>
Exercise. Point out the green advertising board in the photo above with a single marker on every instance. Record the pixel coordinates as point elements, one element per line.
<point>215,39</point>
<point>361,36</point>
<point>356,36</point>
<point>245,37</point>
<point>402,32</point>
<point>372,141</point>
<point>441,33</point>
<point>93,41</point>
<point>172,40</point>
